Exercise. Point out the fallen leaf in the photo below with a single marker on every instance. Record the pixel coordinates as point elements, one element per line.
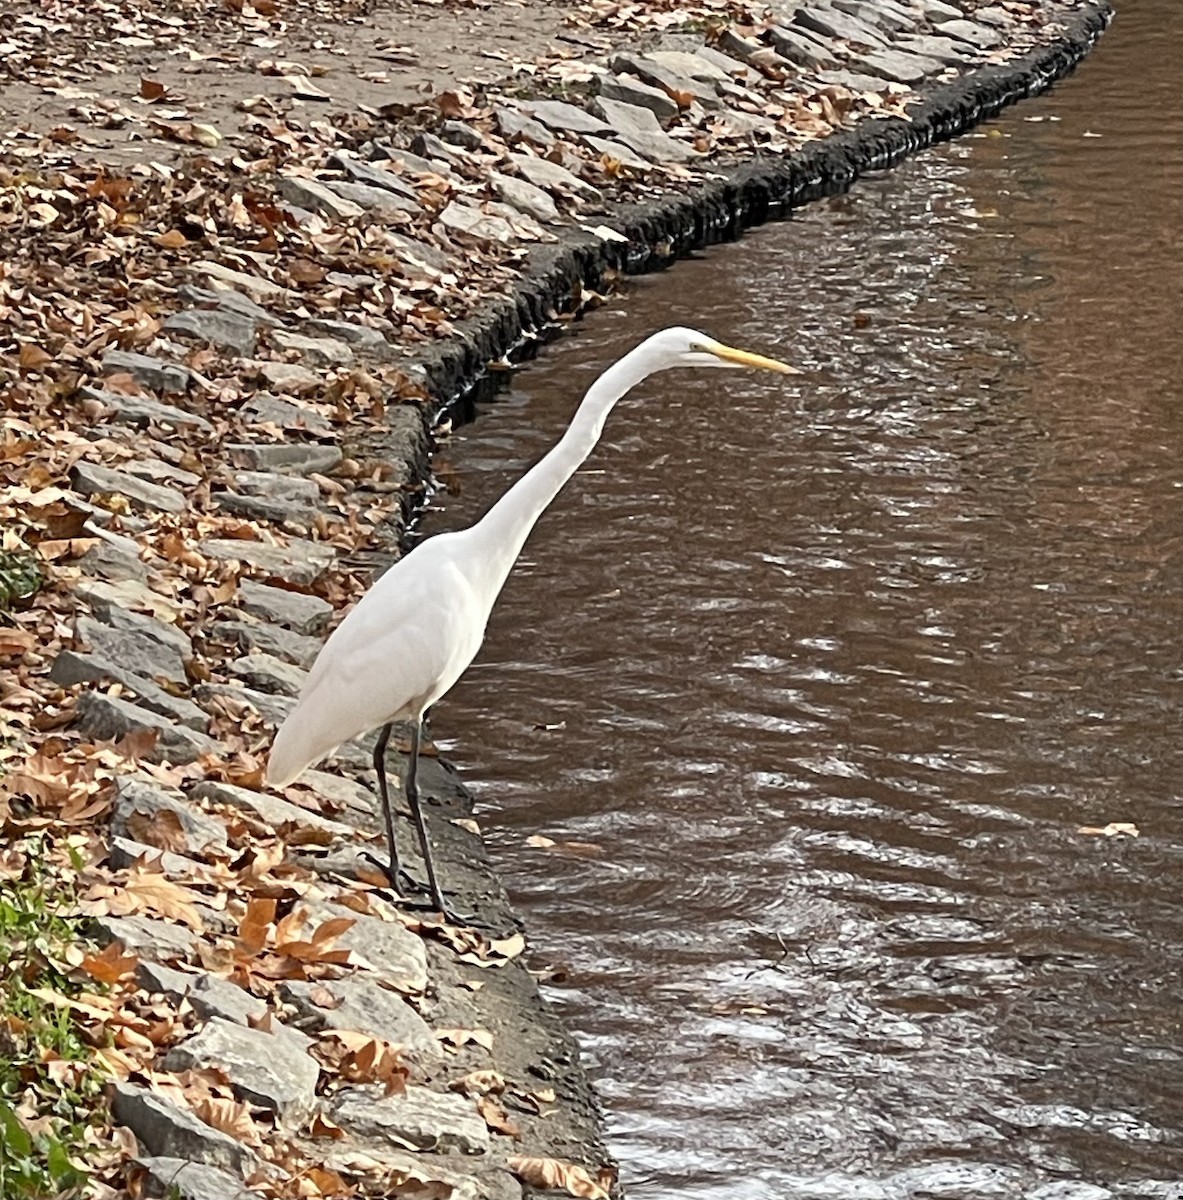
<point>554,1173</point>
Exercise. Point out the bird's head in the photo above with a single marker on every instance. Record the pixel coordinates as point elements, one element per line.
<point>688,348</point>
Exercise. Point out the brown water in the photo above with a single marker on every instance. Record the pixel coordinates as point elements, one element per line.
<point>848,663</point>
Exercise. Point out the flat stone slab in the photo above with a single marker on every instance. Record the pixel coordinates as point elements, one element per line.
<point>263,1068</point>
<point>420,1117</point>
<point>179,1179</point>
<point>880,13</point>
<point>134,648</point>
<point>516,127</point>
<point>163,1129</point>
<point>557,114</point>
<point>365,1007</point>
<point>114,606</point>
<point>229,301</point>
<point>123,851</point>
<point>141,411</point>
<point>209,995</point>
<point>71,667</point>
<point>275,811</point>
<point>266,673</point>
<point>372,174</point>
<point>287,377</point>
<point>315,196</point>
<point>225,697</point>
<point>473,222</point>
<point>683,62</point>
<point>524,196</point>
<point>108,719</point>
<point>296,610</point>
<point>254,285</point>
<point>365,338</point>
<point>221,327</point>
<point>136,801</point>
<point>301,458</point>
<point>265,409</point>
<point>299,562</point>
<point>677,85</point>
<point>93,480</point>
<point>384,947</point>
<point>897,65</point>
<point>146,938</point>
<point>980,36</point>
<point>544,174</point>
<point>833,24</point>
<point>154,373</point>
<point>628,90</point>
<point>114,558</point>
<point>625,155</point>
<point>944,50</point>
<point>320,351</point>
<point>271,639</point>
<point>640,130</point>
<point>374,199</point>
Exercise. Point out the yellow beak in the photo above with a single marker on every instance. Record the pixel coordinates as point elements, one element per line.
<point>744,359</point>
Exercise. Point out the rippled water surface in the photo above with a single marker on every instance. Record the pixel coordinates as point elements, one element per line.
<point>814,686</point>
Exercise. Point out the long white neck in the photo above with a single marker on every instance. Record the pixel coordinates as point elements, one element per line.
<point>505,527</point>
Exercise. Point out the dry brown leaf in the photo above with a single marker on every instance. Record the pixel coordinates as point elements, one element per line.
<point>111,964</point>
<point>464,1037</point>
<point>230,1116</point>
<point>161,829</point>
<point>554,1173</point>
<point>497,1119</point>
<point>153,891</point>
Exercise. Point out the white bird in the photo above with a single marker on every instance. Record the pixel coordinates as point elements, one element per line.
<point>414,633</point>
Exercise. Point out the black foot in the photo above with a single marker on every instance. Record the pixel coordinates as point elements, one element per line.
<point>396,877</point>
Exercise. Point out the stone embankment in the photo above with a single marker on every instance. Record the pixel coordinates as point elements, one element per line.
<point>222,378</point>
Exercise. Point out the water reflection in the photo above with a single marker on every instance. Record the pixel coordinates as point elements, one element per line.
<point>830,676</point>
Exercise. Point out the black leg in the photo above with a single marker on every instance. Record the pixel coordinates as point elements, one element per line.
<point>412,788</point>
<point>392,871</point>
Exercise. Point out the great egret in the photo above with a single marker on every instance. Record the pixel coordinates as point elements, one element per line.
<point>414,633</point>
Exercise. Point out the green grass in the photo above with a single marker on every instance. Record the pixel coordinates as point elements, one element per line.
<point>20,577</point>
<point>35,1036</point>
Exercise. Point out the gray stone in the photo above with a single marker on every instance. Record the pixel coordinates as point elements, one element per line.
<point>154,373</point>
<point>145,938</point>
<point>209,995</point>
<point>641,131</point>
<point>740,123</point>
<point>377,200</point>
<point>944,50</point>
<point>295,513</point>
<point>460,134</point>
<point>365,1007</point>
<point>114,558</point>
<point>230,301</point>
<point>296,610</point>
<point>109,603</point>
<point>70,668</point>
<point>524,196</point>
<point>881,14</point>
<point>287,377</point>
<point>344,794</point>
<point>407,160</point>
<point>163,1129</point>
<point>178,1179</point>
<point>833,24</point>
<point>92,480</point>
<point>254,285</point>
<point>557,114</point>
<point>803,51</point>
<point>625,155</point>
<point>292,488</point>
<point>321,352</point>
<point>632,91</point>
<point>516,127</point>
<point>134,648</point>
<point>275,811</point>
<point>435,148</point>
<point>854,81</point>
<point>263,1068</point>
<point>681,62</point>
<point>299,562</point>
<point>200,831</point>
<point>997,17</point>
<point>156,471</point>
<point>108,718</point>
<point>271,639</point>
<point>672,83</point>
<point>122,852</point>
<point>316,197</point>
<point>388,949</point>
<point>420,254</point>
<point>731,68</point>
<point>371,174</point>
<point>938,10</point>
<point>141,411</point>
<point>748,51</point>
<point>975,35</point>
<point>220,327</point>
<point>897,65</point>
<point>362,336</point>
<point>265,409</point>
<point>545,174</point>
<point>473,222</point>
<point>269,674</point>
<point>420,1118</point>
<point>223,696</point>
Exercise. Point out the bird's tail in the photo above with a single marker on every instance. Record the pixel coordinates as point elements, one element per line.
<point>299,744</point>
